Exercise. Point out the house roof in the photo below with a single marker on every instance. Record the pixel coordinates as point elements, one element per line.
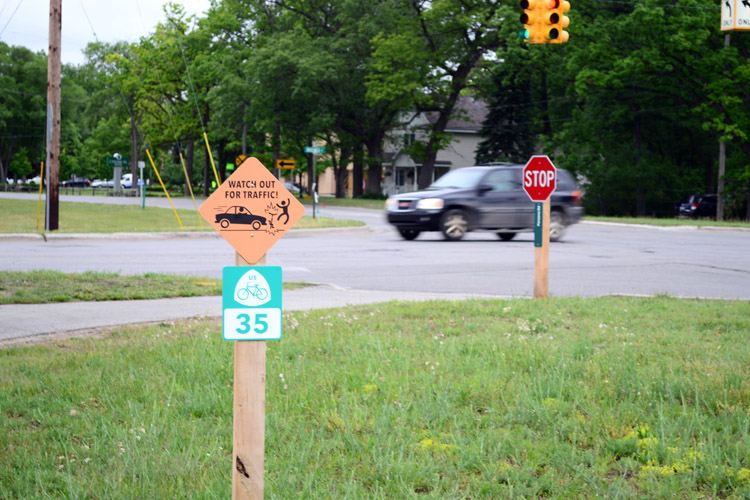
<point>468,115</point>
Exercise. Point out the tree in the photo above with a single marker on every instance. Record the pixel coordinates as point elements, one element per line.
<point>20,166</point>
<point>509,129</point>
<point>431,60</point>
<point>23,109</point>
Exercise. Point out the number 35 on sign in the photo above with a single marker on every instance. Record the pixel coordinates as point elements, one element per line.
<point>251,299</point>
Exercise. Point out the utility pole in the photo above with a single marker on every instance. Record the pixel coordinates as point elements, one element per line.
<point>54,72</point>
<point>722,166</point>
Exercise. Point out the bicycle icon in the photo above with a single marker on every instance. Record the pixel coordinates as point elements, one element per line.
<point>255,290</point>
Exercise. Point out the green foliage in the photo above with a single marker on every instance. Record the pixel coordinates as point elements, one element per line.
<point>20,166</point>
<point>634,103</point>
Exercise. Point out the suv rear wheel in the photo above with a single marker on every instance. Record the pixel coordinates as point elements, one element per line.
<point>454,224</point>
<point>506,236</point>
<point>556,226</point>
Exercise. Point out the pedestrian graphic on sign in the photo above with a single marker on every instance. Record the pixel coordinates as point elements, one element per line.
<point>284,206</point>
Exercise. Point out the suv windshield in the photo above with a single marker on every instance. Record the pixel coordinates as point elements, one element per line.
<point>459,179</point>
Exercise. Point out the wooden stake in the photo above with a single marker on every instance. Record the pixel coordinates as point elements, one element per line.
<point>541,257</point>
<point>249,413</point>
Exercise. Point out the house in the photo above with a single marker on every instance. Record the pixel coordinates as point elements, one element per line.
<point>401,170</point>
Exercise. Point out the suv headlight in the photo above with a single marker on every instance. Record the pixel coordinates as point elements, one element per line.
<point>430,204</point>
<point>391,204</point>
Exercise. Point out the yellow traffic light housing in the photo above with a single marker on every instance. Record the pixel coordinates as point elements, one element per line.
<point>544,21</point>
<point>532,21</point>
<point>558,20</point>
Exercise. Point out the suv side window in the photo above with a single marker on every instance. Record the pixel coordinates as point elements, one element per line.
<point>503,180</point>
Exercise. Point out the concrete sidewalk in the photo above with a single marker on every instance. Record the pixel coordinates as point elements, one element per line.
<point>22,322</point>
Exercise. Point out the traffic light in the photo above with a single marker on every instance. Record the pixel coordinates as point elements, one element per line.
<point>558,20</point>
<point>544,21</point>
<point>531,20</point>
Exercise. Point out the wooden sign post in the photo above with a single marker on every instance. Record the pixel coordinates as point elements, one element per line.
<point>541,253</point>
<point>251,210</point>
<point>248,450</point>
<point>539,181</point>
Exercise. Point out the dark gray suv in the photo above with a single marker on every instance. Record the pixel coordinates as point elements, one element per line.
<point>482,198</point>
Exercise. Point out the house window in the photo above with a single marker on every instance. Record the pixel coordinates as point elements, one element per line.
<point>408,139</point>
<point>400,175</point>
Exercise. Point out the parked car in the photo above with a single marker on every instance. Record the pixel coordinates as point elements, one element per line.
<point>292,188</point>
<point>126,181</point>
<point>240,215</point>
<point>482,198</point>
<point>696,206</point>
<point>76,182</point>
<point>103,184</point>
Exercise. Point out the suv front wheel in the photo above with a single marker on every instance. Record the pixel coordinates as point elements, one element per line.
<point>408,234</point>
<point>454,224</point>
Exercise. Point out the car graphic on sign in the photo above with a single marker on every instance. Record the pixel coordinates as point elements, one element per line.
<point>240,215</point>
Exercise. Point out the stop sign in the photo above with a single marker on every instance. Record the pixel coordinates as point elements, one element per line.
<point>539,178</point>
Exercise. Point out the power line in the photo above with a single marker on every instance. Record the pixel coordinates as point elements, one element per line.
<point>11,17</point>
<point>89,21</point>
<point>665,5</point>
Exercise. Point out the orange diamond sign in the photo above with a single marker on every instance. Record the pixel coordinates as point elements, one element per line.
<point>252,210</point>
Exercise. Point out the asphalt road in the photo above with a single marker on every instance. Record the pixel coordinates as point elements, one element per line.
<point>592,260</point>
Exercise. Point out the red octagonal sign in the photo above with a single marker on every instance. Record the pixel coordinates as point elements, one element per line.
<point>539,178</point>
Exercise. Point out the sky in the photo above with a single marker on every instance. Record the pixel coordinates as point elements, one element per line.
<point>112,21</point>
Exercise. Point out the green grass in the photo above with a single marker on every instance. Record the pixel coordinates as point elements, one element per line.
<point>40,287</point>
<point>20,216</point>
<point>561,398</point>
<point>349,202</point>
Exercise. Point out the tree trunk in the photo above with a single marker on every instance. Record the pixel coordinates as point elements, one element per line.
<point>223,160</point>
<point>358,171</point>
<point>276,147</point>
<point>310,174</point>
<point>3,175</point>
<point>375,164</point>
<point>207,177</point>
<point>134,153</point>
<point>640,203</point>
<point>433,143</point>
<point>342,172</point>
<point>244,138</point>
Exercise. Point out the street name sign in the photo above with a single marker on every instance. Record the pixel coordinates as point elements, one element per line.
<point>117,162</point>
<point>251,298</point>
<point>315,149</point>
<point>251,210</point>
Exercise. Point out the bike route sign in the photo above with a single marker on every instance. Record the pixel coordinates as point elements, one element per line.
<point>251,298</point>
<point>252,210</point>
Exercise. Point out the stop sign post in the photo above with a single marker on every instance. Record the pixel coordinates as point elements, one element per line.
<point>539,181</point>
